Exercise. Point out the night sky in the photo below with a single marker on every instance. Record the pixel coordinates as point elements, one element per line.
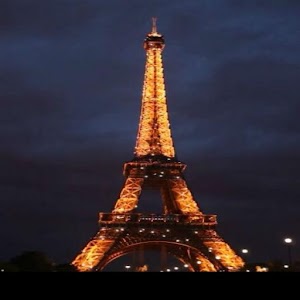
<point>71,76</point>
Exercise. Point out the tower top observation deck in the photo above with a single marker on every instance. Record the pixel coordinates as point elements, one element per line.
<point>154,39</point>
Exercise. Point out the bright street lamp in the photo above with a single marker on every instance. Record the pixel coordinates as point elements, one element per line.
<point>127,267</point>
<point>289,242</point>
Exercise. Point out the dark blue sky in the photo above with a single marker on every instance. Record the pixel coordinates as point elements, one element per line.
<point>71,75</point>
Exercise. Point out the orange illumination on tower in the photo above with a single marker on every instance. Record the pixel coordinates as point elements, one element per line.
<point>192,239</point>
<point>154,134</point>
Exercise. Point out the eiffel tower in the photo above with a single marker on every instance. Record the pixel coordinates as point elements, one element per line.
<point>181,229</point>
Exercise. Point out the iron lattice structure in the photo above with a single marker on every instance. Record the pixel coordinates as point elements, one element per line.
<point>182,229</point>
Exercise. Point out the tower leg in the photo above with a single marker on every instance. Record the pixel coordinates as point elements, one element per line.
<point>129,195</point>
<point>163,257</point>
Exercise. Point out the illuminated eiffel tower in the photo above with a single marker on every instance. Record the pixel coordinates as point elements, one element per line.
<point>181,229</point>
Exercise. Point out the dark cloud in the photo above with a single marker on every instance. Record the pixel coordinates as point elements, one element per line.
<point>47,18</point>
<point>70,87</point>
<point>243,108</point>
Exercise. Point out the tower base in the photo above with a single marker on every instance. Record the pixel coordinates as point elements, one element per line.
<point>192,239</point>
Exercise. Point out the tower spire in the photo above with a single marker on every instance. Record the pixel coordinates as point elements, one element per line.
<point>154,134</point>
<point>154,27</point>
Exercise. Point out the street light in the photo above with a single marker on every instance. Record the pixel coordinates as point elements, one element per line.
<point>245,251</point>
<point>127,267</point>
<point>289,242</point>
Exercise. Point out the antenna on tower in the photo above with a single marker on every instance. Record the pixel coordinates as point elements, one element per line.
<point>154,28</point>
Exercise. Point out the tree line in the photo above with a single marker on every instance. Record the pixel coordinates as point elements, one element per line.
<point>34,261</point>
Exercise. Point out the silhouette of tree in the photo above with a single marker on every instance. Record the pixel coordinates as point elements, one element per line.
<point>8,267</point>
<point>32,261</point>
<point>65,268</point>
